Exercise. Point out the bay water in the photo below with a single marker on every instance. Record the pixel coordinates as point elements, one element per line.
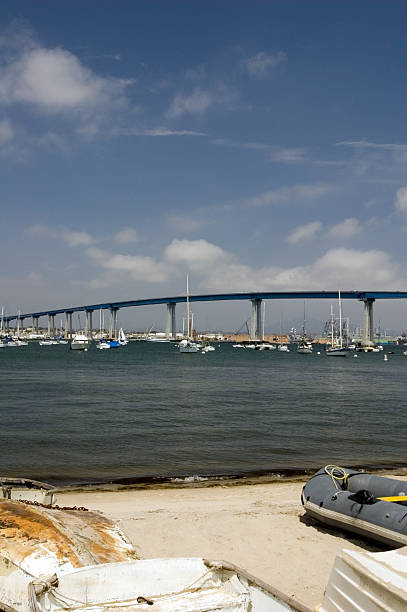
<point>146,412</point>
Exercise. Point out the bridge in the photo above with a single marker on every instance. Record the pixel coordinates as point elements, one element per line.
<point>256,298</point>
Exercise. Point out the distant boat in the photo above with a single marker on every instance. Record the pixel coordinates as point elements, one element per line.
<point>188,345</point>
<point>337,349</point>
<point>113,343</point>
<point>265,346</point>
<point>48,342</point>
<point>304,346</point>
<point>284,348</point>
<point>15,342</point>
<point>122,338</point>
<point>80,342</point>
<point>207,348</point>
<point>103,344</point>
<point>153,338</point>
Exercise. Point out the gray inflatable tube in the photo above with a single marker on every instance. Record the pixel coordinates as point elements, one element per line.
<point>348,499</point>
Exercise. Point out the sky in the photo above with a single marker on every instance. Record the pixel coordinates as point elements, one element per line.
<point>256,145</point>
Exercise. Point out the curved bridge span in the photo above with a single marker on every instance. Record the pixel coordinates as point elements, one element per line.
<point>256,298</point>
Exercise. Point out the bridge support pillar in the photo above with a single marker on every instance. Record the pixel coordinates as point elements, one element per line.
<point>256,324</point>
<point>113,323</point>
<point>68,325</point>
<point>49,326</point>
<point>88,324</point>
<point>35,325</point>
<point>368,323</point>
<point>170,328</point>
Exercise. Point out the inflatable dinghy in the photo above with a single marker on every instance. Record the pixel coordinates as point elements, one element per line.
<point>366,504</point>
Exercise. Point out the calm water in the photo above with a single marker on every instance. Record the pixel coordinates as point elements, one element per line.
<point>146,410</point>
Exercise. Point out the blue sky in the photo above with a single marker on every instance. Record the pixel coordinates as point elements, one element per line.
<point>258,145</point>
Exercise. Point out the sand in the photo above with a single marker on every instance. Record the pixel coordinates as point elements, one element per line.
<point>260,527</point>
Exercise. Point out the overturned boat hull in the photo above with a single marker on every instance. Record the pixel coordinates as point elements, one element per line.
<point>36,540</point>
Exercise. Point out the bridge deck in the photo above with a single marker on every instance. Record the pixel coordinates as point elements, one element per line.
<point>214,297</point>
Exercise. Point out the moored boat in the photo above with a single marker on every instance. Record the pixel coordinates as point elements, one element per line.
<point>366,504</point>
<point>304,347</point>
<point>187,345</point>
<point>265,346</point>
<point>80,342</point>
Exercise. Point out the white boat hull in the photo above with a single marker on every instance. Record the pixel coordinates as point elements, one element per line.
<point>188,349</point>
<point>163,585</point>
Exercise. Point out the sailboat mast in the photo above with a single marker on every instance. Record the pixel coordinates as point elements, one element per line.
<point>340,318</point>
<point>264,316</point>
<point>332,327</point>
<point>303,323</point>
<point>188,313</point>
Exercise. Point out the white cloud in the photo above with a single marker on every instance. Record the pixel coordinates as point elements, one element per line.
<point>289,155</point>
<point>155,132</point>
<point>365,144</point>
<point>126,236</point>
<point>183,223</point>
<point>199,101</point>
<point>196,254</point>
<point>304,232</point>
<point>401,199</point>
<point>196,103</point>
<point>71,237</point>
<point>345,268</point>
<point>55,81</point>
<point>6,131</point>
<point>136,267</point>
<point>260,64</point>
<point>286,195</point>
<point>345,229</point>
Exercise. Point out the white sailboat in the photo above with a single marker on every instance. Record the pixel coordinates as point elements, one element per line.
<point>16,340</point>
<point>122,337</point>
<point>304,346</point>
<point>187,345</point>
<point>102,342</point>
<point>337,349</point>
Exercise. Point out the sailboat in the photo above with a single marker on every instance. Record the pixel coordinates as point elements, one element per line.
<point>122,337</point>
<point>102,343</point>
<point>304,346</point>
<point>337,349</point>
<point>187,345</point>
<point>3,335</point>
<point>16,340</point>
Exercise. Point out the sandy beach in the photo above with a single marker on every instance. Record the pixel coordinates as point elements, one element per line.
<point>260,527</point>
